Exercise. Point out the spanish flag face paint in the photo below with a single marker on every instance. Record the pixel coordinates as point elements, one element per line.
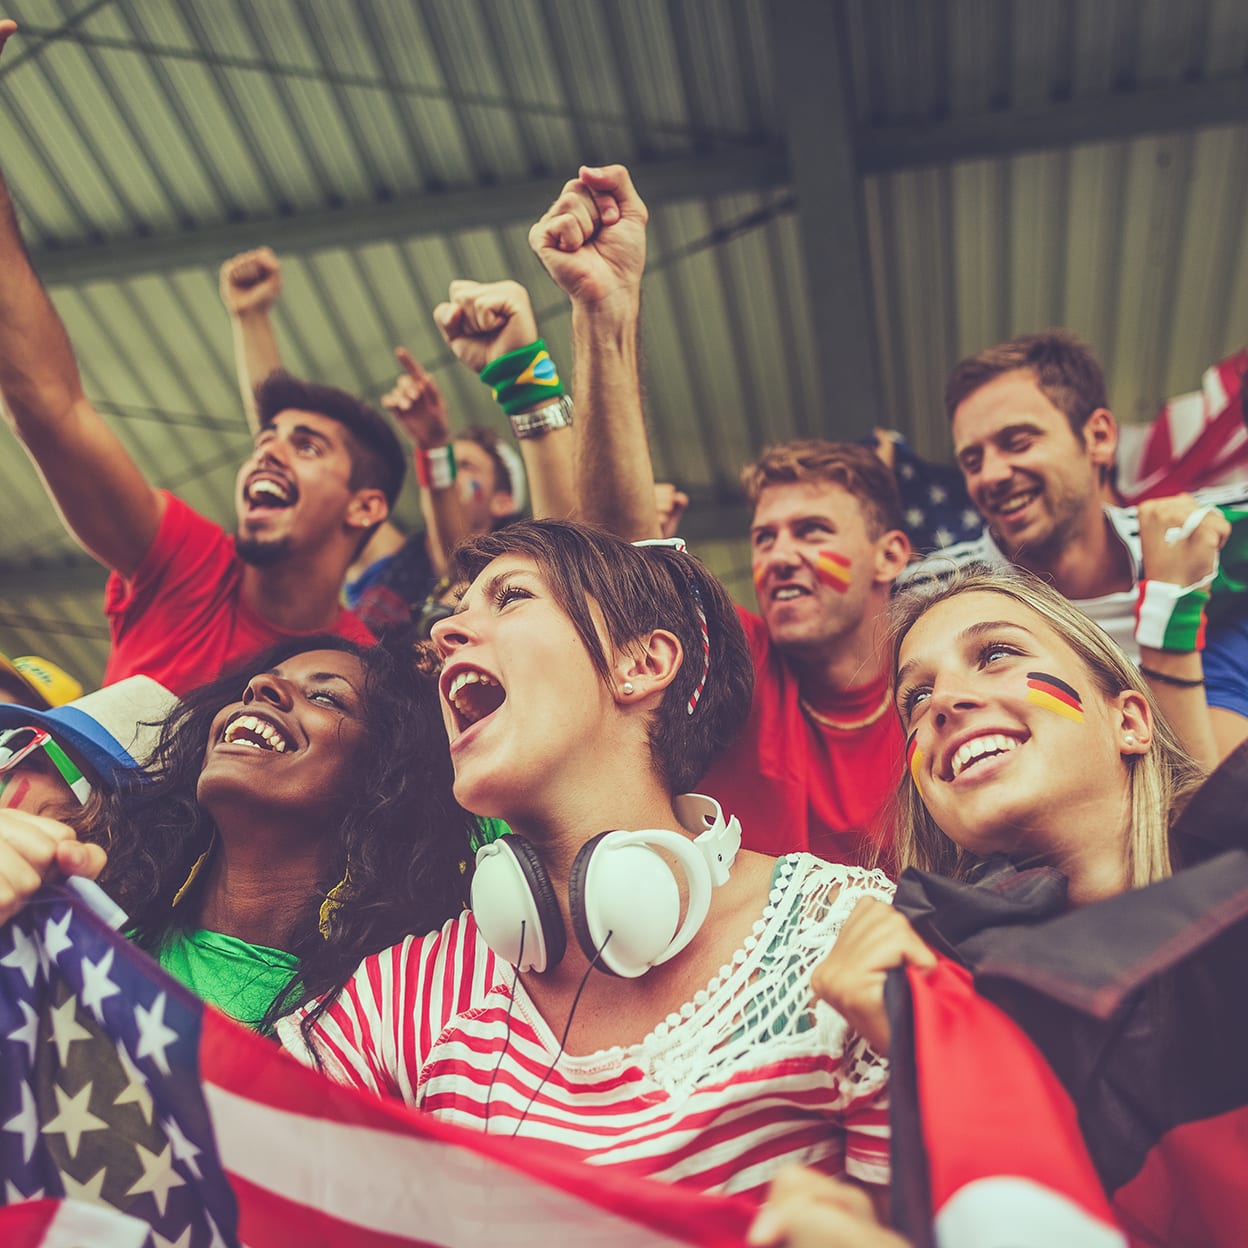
<point>832,569</point>
<point>1054,695</point>
<point>914,759</point>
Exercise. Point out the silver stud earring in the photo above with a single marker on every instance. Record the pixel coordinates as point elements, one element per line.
<point>626,687</point>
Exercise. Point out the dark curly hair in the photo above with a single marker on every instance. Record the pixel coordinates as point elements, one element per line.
<point>640,588</point>
<point>401,831</point>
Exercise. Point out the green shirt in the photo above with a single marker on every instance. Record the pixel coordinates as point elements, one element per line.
<point>236,977</point>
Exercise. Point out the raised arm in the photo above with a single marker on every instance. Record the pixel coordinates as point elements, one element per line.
<point>1169,619</point>
<point>250,284</point>
<point>482,322</point>
<point>592,242</point>
<point>101,495</point>
<point>416,403</point>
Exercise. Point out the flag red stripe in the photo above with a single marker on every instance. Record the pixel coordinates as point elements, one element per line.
<point>1192,1183</point>
<point>982,1063</point>
<point>265,1219</point>
<point>1057,692</point>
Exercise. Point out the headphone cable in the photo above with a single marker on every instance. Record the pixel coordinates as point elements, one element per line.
<point>566,1031</point>
<point>511,1005</point>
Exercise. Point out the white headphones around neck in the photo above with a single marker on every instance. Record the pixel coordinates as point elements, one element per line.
<point>623,896</point>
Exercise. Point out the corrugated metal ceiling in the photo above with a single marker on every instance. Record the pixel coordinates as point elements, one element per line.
<point>1016,164</point>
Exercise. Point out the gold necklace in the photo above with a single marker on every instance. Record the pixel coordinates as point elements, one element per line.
<point>848,725</point>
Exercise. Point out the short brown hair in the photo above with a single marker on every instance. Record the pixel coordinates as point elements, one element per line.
<point>1066,372</point>
<point>640,588</point>
<point>857,469</point>
<point>378,460</point>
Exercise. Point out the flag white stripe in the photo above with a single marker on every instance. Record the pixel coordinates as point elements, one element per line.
<point>1006,1212</point>
<point>445,1206</point>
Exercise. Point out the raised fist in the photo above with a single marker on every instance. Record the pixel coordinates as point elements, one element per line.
<point>592,239</point>
<point>251,281</point>
<point>484,320</point>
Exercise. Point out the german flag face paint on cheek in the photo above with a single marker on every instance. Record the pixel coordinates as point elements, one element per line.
<point>832,569</point>
<point>1054,695</point>
<point>914,759</point>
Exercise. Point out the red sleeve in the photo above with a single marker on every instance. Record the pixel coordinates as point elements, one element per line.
<point>187,572</point>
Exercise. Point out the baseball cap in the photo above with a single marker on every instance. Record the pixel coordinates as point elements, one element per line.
<point>37,682</point>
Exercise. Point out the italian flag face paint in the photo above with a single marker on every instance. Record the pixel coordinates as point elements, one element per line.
<point>1054,695</point>
<point>914,759</point>
<point>832,569</point>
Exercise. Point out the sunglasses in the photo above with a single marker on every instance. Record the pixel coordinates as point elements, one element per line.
<point>19,743</point>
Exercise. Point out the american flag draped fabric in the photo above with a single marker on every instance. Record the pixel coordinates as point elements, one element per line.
<point>132,1114</point>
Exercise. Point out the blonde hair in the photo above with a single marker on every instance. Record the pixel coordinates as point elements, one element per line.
<point>1160,779</point>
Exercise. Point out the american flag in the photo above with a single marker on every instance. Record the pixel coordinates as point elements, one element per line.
<point>133,1114</point>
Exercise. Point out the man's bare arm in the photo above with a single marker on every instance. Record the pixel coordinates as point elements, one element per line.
<point>592,242</point>
<point>103,498</point>
<point>250,285</point>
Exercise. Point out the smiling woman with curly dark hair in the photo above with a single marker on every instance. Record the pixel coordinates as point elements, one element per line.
<point>298,817</point>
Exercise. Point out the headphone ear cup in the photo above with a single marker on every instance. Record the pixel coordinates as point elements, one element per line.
<point>625,903</point>
<point>511,893</point>
<point>576,901</point>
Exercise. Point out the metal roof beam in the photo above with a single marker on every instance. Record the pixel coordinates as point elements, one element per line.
<point>1064,123</point>
<point>443,212</point>
<point>806,55</point>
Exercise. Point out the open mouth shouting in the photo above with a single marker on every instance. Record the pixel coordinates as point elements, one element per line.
<point>471,694</point>
<point>269,491</point>
<point>256,733</point>
<point>978,750</point>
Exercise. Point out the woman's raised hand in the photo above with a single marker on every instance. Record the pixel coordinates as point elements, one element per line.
<point>34,849</point>
<point>873,940</point>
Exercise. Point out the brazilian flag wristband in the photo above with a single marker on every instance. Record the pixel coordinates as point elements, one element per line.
<point>1167,617</point>
<point>523,378</point>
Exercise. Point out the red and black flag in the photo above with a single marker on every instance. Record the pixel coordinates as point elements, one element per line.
<point>1127,1017</point>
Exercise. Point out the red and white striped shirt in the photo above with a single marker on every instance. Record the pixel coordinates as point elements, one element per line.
<point>751,1074</point>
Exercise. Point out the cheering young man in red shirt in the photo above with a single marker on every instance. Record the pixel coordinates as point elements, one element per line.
<point>185,598</point>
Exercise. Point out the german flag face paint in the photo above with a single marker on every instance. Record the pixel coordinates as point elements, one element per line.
<point>1054,695</point>
<point>832,569</point>
<point>914,759</point>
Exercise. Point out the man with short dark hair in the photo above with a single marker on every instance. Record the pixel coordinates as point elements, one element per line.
<point>1036,443</point>
<point>184,599</point>
<point>822,748</point>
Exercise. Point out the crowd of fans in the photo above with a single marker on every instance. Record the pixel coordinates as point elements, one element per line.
<point>542,927</point>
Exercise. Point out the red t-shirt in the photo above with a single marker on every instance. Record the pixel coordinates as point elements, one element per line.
<point>181,618</point>
<point>797,785</point>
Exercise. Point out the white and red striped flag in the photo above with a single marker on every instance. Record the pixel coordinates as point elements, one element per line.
<point>131,1113</point>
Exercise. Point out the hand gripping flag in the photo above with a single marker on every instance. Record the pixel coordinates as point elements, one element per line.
<point>133,1114</point>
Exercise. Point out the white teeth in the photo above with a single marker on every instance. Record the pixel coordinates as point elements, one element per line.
<point>465,707</point>
<point>468,678</point>
<point>787,592</point>
<point>257,733</point>
<point>972,751</point>
<point>1015,502</point>
<point>272,488</point>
